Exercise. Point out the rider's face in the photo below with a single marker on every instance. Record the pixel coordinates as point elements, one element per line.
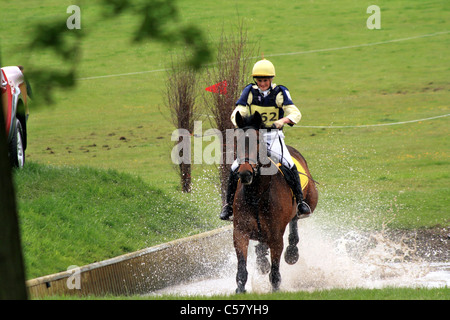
<point>263,83</point>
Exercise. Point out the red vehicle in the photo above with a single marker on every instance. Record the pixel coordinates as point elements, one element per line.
<point>15,98</point>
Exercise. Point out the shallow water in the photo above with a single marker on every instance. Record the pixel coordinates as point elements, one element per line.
<point>437,276</point>
<point>342,259</point>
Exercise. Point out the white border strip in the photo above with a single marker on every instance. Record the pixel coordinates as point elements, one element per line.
<point>375,125</point>
<point>122,74</point>
<point>285,54</point>
<point>358,45</point>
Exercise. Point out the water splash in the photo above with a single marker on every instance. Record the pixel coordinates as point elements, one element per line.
<point>341,246</point>
<point>336,254</point>
<point>352,259</point>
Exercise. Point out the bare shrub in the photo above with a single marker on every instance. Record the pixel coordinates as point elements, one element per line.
<point>181,95</point>
<point>233,65</point>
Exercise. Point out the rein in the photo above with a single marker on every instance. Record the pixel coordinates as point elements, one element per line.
<point>254,197</point>
<point>253,163</point>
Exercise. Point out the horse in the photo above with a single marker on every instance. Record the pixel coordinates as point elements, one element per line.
<point>263,206</point>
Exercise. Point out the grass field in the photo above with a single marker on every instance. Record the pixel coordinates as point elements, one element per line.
<point>338,71</point>
<point>335,294</point>
<point>76,216</point>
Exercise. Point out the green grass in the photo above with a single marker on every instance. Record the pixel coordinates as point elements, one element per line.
<point>353,294</point>
<point>399,171</point>
<point>77,216</point>
<point>334,294</point>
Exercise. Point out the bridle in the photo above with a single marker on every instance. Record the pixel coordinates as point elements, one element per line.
<point>251,162</point>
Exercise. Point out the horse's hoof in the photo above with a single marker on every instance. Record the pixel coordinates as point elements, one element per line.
<point>275,280</point>
<point>240,290</point>
<point>291,255</point>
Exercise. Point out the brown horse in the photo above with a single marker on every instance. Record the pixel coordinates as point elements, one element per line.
<point>263,206</point>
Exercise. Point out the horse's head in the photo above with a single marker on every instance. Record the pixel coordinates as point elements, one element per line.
<point>248,145</point>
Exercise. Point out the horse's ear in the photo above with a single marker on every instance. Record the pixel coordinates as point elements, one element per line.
<point>239,120</point>
<point>257,119</point>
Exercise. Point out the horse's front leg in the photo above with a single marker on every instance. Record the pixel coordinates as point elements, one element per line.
<point>275,255</point>
<point>241,246</point>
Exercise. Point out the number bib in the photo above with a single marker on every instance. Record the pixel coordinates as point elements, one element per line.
<point>268,114</point>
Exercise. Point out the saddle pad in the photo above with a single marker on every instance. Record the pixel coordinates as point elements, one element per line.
<point>302,174</point>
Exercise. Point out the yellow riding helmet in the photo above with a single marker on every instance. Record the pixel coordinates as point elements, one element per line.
<point>263,68</point>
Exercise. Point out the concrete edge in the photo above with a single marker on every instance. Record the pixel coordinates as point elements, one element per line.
<point>142,271</point>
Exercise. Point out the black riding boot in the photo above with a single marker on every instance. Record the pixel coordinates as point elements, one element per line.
<point>293,180</point>
<point>227,210</point>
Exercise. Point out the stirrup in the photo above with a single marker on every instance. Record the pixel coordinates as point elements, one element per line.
<point>301,215</point>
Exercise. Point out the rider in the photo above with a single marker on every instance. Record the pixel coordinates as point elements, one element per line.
<point>274,104</point>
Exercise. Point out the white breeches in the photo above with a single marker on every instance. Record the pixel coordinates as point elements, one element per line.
<point>276,147</point>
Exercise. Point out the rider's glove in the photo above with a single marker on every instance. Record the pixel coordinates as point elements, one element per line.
<point>278,124</point>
